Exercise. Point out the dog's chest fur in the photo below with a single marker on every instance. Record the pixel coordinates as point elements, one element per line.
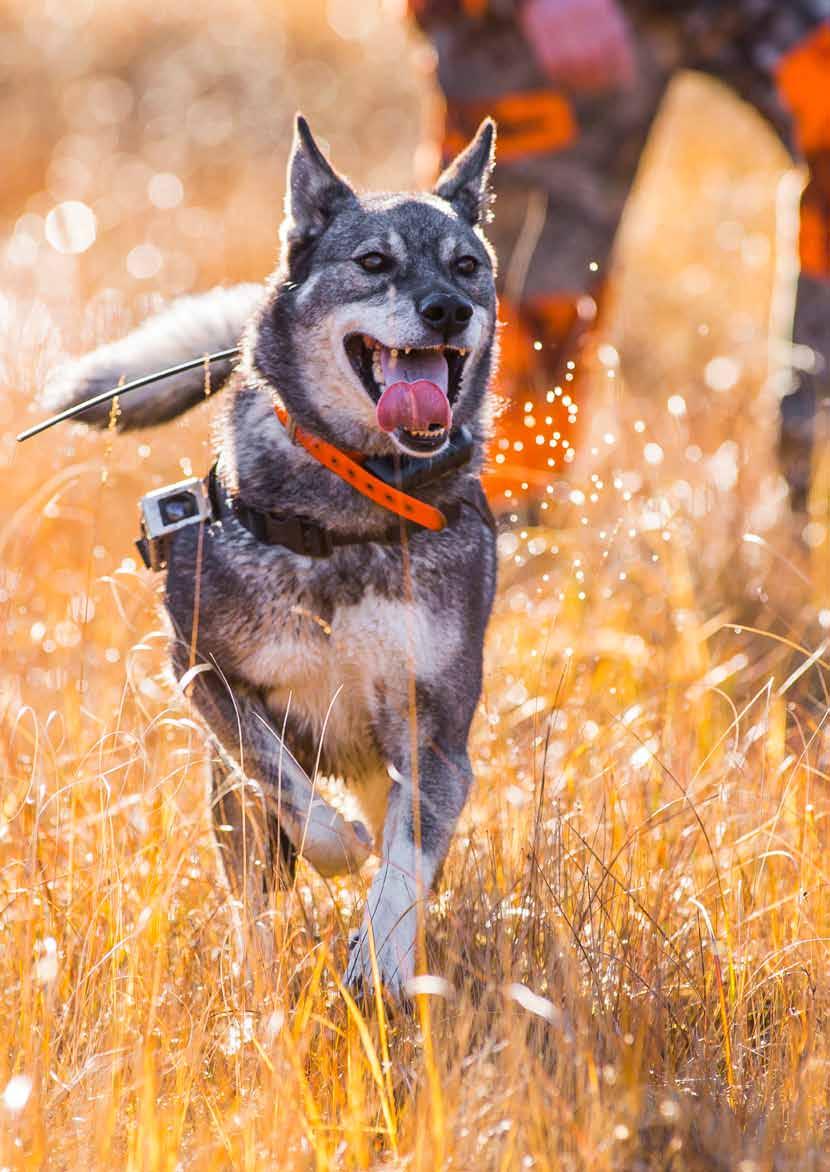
<point>334,672</point>
<point>335,667</point>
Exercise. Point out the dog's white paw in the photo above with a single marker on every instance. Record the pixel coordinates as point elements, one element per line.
<point>392,916</point>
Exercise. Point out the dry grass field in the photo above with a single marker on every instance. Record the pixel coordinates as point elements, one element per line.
<point>631,940</point>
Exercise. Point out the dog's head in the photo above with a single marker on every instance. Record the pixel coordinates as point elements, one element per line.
<point>379,329</point>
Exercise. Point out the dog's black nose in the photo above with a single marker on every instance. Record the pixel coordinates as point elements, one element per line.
<point>445,312</point>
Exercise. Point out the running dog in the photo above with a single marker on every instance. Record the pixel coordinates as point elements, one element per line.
<point>325,618</point>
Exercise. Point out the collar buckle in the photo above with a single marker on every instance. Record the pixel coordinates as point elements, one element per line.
<point>316,541</point>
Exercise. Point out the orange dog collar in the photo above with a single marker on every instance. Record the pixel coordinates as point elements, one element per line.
<point>349,470</point>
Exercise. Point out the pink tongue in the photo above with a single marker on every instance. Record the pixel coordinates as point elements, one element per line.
<point>415,391</point>
<point>418,406</point>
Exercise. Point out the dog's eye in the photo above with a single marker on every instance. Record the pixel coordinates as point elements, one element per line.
<point>373,262</point>
<point>466,265</point>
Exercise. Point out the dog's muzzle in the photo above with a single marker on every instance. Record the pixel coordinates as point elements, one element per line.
<point>413,389</point>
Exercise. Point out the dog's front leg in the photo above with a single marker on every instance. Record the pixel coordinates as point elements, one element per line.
<point>254,749</point>
<point>423,810</point>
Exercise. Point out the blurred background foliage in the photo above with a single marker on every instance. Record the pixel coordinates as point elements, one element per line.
<point>173,126</point>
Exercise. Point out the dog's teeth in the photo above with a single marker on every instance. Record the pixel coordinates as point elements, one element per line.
<point>377,368</point>
<point>394,353</point>
<point>408,350</point>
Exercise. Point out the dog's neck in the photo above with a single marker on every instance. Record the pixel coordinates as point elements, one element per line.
<point>259,463</point>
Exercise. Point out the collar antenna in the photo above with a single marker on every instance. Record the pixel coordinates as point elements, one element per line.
<point>117,392</point>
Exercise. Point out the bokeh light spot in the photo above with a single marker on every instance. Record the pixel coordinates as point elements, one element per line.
<point>144,261</point>
<point>17,1092</point>
<point>722,373</point>
<point>71,227</point>
<point>677,405</point>
<point>165,190</point>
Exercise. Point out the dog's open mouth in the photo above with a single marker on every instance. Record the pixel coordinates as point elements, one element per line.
<point>413,389</point>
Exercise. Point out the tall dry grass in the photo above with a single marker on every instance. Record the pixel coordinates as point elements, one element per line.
<point>631,937</point>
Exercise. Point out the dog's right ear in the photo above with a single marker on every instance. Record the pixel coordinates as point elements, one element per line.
<point>466,181</point>
<point>314,192</point>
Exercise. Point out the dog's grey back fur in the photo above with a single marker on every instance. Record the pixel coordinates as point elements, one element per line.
<point>188,328</point>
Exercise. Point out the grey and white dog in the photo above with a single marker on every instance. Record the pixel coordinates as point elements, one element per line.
<point>365,664</point>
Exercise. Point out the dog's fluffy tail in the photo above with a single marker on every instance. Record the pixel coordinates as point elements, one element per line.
<point>187,328</point>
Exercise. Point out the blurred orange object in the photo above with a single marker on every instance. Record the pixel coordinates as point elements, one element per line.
<point>803,79</point>
<point>539,428</point>
<point>530,123</point>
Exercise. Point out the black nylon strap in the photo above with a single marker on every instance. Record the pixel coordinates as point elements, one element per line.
<point>306,537</point>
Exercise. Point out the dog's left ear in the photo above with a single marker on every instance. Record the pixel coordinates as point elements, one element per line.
<point>314,192</point>
<point>466,182</point>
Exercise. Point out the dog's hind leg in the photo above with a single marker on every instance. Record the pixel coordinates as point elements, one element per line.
<point>245,827</point>
<point>256,854</point>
